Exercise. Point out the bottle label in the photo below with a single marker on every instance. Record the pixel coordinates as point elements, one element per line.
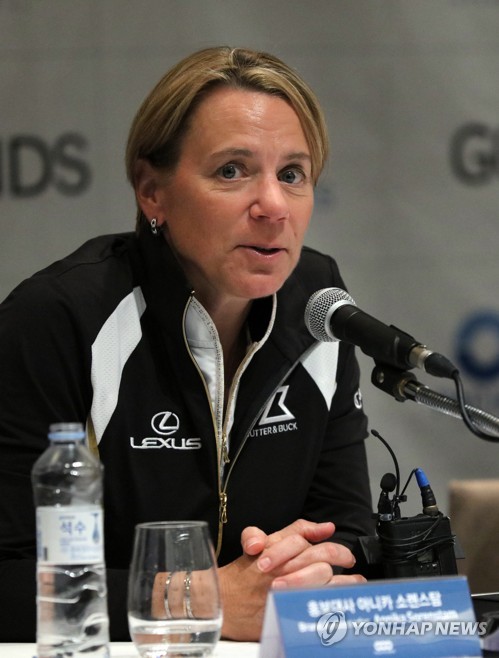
<point>70,535</point>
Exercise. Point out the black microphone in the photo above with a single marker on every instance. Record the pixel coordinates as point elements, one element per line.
<point>331,314</point>
<point>385,505</point>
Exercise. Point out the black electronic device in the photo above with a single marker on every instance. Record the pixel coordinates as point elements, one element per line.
<point>408,547</point>
<point>417,546</point>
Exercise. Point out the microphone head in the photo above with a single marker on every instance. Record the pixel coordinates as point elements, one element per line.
<point>321,305</point>
<point>388,482</point>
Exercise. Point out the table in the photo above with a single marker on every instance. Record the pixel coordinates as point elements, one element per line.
<point>127,650</point>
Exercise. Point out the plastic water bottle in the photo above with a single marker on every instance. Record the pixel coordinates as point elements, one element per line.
<point>72,618</point>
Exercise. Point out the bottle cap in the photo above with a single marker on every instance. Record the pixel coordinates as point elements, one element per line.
<point>66,432</point>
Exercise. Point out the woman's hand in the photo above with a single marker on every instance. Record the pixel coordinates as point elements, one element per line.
<point>296,556</point>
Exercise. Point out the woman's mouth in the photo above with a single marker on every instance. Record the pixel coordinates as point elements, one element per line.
<point>266,251</point>
<point>263,251</point>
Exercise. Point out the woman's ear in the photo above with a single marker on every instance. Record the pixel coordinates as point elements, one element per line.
<point>147,190</point>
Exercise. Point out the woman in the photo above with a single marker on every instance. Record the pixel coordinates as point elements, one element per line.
<point>183,348</point>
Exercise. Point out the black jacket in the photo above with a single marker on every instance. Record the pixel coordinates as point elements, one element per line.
<point>99,337</point>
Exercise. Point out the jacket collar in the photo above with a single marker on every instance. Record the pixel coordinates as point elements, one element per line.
<point>165,286</point>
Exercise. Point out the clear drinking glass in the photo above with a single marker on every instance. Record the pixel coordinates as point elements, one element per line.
<point>173,596</point>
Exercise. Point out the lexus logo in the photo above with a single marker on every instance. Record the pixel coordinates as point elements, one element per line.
<point>165,422</point>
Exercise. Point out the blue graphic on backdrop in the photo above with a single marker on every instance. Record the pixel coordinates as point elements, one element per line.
<point>477,330</point>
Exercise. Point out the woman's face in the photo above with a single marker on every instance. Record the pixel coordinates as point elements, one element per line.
<point>238,204</point>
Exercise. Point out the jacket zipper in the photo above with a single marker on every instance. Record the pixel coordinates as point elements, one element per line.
<point>222,447</point>
<point>223,492</point>
<point>222,496</point>
<point>225,451</point>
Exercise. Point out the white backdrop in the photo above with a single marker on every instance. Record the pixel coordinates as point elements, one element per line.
<point>408,205</point>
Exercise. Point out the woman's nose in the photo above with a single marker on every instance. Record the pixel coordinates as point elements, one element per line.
<point>270,200</point>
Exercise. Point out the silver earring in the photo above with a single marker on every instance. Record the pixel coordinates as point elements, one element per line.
<point>154,226</point>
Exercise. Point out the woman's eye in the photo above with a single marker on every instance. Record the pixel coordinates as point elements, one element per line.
<point>291,176</point>
<point>229,171</point>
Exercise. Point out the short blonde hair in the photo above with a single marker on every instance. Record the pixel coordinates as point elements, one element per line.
<point>163,118</point>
